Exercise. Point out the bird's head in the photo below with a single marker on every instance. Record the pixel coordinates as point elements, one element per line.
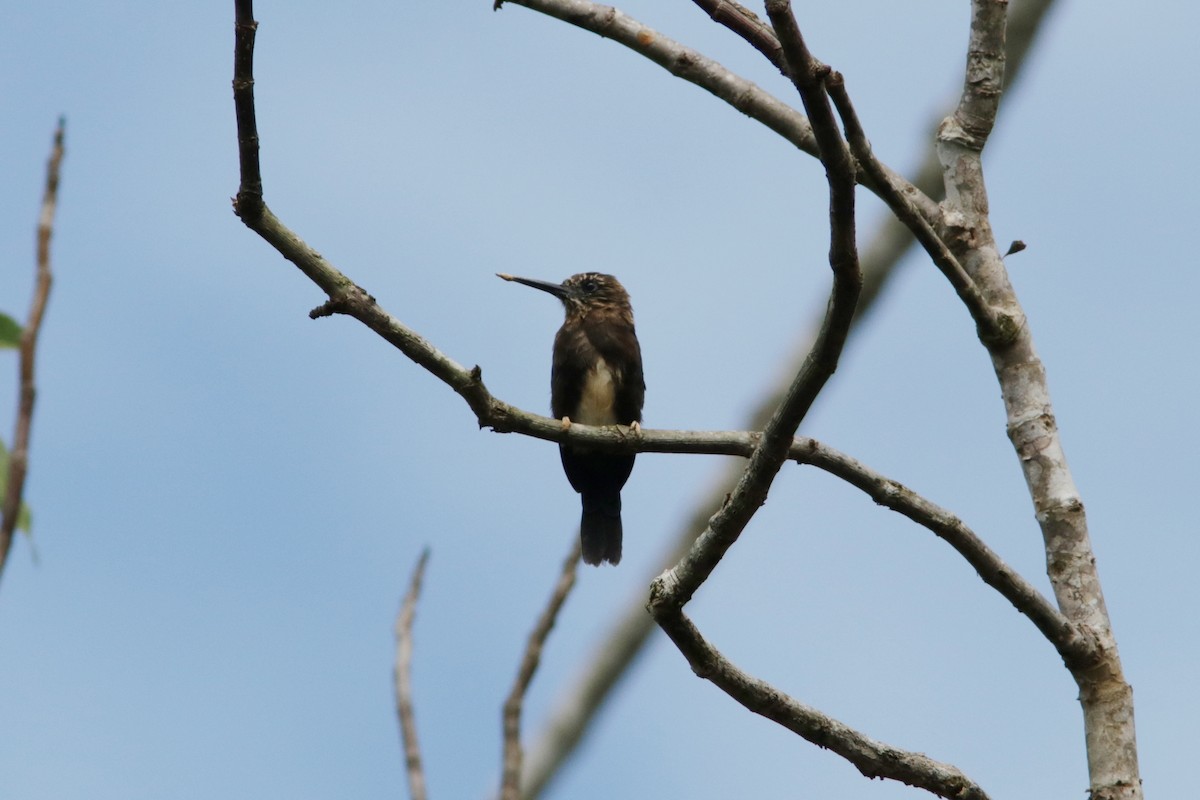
<point>583,293</point>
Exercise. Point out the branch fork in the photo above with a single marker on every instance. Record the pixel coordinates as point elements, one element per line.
<point>957,235</point>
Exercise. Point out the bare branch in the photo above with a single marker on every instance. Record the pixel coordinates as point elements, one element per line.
<point>1104,695</point>
<point>346,297</point>
<point>694,67</point>
<point>983,81</point>
<point>614,652</point>
<point>682,62</point>
<point>671,591</point>
<point>403,681</point>
<point>675,587</point>
<point>18,463</point>
<point>250,192</point>
<point>873,759</point>
<point>1073,644</point>
<point>511,775</point>
<point>746,24</point>
<point>606,665</point>
<point>989,324</point>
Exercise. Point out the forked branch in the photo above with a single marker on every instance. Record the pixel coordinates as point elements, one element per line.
<point>991,325</point>
<point>670,591</point>
<point>777,441</point>
<point>490,411</point>
<point>614,652</point>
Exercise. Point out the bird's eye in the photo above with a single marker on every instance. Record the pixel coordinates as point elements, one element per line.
<point>588,286</point>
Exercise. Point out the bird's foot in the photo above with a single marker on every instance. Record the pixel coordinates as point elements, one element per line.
<point>566,423</point>
<point>635,427</point>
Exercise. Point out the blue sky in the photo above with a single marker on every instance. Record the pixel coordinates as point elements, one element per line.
<point>229,497</point>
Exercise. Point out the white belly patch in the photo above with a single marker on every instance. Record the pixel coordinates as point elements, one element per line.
<point>599,394</point>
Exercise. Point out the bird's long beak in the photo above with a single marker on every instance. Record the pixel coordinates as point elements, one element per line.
<point>556,289</point>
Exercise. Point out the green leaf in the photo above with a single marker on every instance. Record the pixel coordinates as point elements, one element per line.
<point>24,514</point>
<point>10,331</point>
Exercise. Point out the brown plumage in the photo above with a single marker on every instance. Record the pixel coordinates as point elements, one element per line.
<point>596,379</point>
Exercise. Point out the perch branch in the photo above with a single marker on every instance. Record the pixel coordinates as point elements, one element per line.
<point>510,788</point>
<point>18,463</point>
<point>403,680</point>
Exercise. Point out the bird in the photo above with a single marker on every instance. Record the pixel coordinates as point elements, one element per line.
<point>595,379</point>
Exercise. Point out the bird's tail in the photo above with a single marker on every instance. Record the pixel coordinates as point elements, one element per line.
<point>600,528</point>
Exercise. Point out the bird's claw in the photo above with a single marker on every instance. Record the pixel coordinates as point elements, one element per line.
<point>566,423</point>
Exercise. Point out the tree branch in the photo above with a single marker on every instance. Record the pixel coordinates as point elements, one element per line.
<point>18,463</point>
<point>346,297</point>
<point>988,322</point>
<point>1106,698</point>
<point>872,758</point>
<point>510,788</point>
<point>403,682</point>
<point>746,24</point>
<point>682,62</point>
<point>694,67</point>
<point>1074,644</point>
<point>671,591</point>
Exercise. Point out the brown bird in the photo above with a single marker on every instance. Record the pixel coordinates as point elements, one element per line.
<point>595,379</point>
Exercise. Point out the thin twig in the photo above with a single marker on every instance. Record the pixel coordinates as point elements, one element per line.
<point>510,781</point>
<point>19,457</point>
<point>403,681</point>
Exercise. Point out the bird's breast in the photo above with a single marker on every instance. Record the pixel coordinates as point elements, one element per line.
<point>596,402</point>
